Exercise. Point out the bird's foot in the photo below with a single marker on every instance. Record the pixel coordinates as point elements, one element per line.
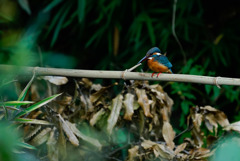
<point>158,74</point>
<point>152,74</point>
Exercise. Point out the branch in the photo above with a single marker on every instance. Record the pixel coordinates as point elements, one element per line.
<point>174,32</point>
<point>126,75</point>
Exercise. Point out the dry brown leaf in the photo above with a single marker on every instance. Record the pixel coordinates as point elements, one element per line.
<point>86,83</point>
<point>32,131</point>
<point>88,139</point>
<point>168,134</point>
<point>199,153</point>
<point>209,108</point>
<point>72,138</point>
<point>115,111</point>
<point>147,144</point>
<point>234,126</point>
<point>96,117</point>
<point>222,119</point>
<point>162,96</point>
<point>41,137</point>
<point>95,96</point>
<point>51,146</point>
<point>61,144</point>
<point>197,120</point>
<point>163,152</point>
<point>96,87</point>
<point>209,125</point>
<point>133,153</point>
<point>164,114</point>
<point>198,137</point>
<point>86,102</point>
<point>144,102</point>
<point>66,100</point>
<point>219,116</point>
<point>128,104</point>
<point>180,148</point>
<point>158,149</point>
<point>212,120</point>
<point>57,80</point>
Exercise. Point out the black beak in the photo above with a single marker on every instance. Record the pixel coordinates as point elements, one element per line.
<point>143,59</point>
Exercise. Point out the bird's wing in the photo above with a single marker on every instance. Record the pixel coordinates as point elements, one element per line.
<point>163,60</point>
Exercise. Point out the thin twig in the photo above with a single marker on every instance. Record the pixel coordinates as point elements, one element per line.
<point>8,69</point>
<point>174,32</point>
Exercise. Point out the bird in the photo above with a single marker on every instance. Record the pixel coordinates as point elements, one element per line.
<point>157,62</point>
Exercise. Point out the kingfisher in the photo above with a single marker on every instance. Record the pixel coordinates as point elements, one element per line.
<point>156,61</point>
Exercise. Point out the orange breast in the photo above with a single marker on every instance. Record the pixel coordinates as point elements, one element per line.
<point>156,67</point>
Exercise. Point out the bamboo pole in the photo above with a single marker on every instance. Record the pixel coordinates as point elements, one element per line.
<point>126,75</point>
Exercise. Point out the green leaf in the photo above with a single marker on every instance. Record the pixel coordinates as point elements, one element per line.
<point>16,103</point>
<point>185,107</point>
<point>150,30</point>
<point>208,88</point>
<point>32,121</point>
<point>52,5</point>
<point>59,25</point>
<point>216,92</point>
<point>37,105</point>
<point>24,92</point>
<point>81,10</point>
<point>25,6</point>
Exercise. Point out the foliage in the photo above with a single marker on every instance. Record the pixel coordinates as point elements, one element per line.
<point>11,111</point>
<point>114,35</point>
<point>134,124</point>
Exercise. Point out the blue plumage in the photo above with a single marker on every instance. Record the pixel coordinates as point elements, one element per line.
<point>163,60</point>
<point>156,61</point>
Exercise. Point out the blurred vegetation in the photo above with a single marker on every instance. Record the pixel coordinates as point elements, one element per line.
<point>115,35</point>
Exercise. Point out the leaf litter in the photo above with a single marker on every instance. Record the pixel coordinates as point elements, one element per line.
<point>90,122</point>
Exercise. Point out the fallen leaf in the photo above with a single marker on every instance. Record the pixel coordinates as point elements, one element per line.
<point>51,146</point>
<point>209,108</point>
<point>95,96</point>
<point>144,102</point>
<point>96,117</point>
<point>233,126</point>
<point>32,131</point>
<point>56,80</point>
<point>212,120</point>
<point>133,153</point>
<point>85,100</point>
<point>41,137</point>
<point>61,144</point>
<point>168,134</point>
<point>146,144</point>
<point>128,104</point>
<point>199,153</point>
<point>86,83</point>
<point>72,138</point>
<point>86,138</point>
<point>198,137</point>
<point>164,113</point>
<point>163,152</point>
<point>222,119</point>
<point>115,111</point>
<point>180,148</point>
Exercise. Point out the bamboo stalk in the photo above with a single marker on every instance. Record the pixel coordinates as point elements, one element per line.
<point>126,75</point>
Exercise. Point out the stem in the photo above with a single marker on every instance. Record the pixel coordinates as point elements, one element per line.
<point>174,32</point>
<point>40,71</point>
